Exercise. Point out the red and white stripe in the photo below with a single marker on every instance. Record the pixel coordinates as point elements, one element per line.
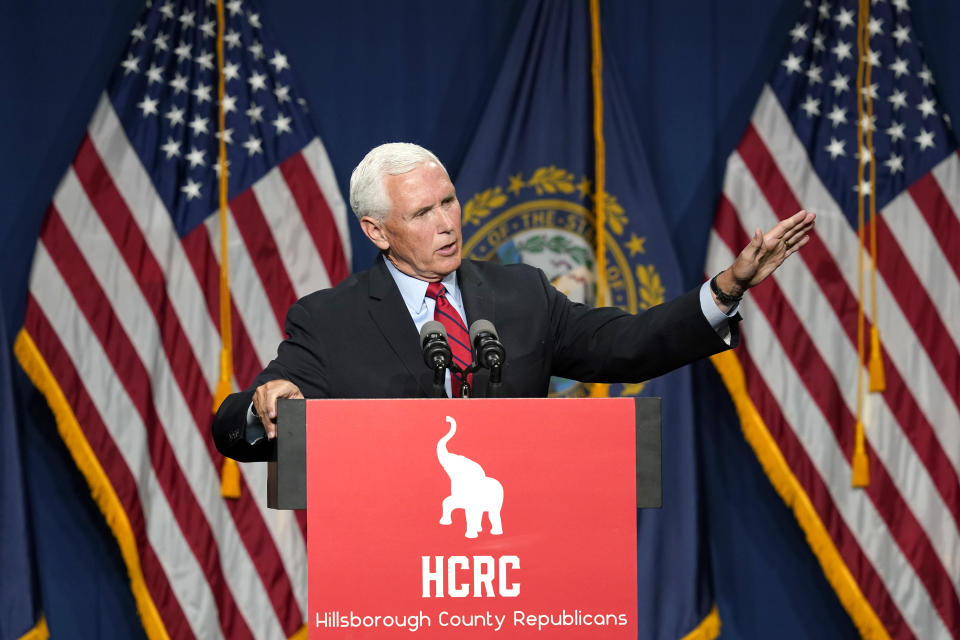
<point>126,315</point>
<point>900,536</point>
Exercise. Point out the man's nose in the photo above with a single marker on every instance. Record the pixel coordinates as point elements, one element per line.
<point>445,220</point>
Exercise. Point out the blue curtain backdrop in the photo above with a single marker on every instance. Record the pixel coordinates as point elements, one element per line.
<point>421,70</point>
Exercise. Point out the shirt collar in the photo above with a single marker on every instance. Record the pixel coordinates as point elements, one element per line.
<point>414,291</point>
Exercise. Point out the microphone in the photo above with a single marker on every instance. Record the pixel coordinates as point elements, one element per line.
<point>486,343</point>
<point>433,341</point>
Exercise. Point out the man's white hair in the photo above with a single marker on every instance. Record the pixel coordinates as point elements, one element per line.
<point>368,195</point>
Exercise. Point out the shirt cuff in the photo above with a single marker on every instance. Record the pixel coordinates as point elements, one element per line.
<point>719,320</point>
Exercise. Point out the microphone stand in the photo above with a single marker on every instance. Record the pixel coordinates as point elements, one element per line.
<point>488,352</point>
<point>495,384</point>
<point>465,389</point>
<point>439,375</point>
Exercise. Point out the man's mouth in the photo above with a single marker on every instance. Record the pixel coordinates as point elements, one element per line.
<point>448,249</point>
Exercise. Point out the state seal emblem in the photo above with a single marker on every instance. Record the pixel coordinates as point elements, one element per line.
<point>548,220</point>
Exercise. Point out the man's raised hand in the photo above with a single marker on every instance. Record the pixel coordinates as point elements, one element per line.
<point>765,253</point>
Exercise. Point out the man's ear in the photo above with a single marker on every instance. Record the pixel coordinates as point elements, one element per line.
<point>373,229</point>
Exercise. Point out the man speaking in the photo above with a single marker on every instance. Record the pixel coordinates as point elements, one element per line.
<point>360,339</point>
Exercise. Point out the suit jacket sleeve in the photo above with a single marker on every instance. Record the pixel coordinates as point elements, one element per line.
<point>299,359</point>
<point>610,345</point>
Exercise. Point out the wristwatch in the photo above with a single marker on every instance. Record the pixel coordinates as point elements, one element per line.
<point>724,298</point>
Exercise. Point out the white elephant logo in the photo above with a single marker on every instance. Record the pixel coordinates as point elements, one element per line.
<point>470,489</point>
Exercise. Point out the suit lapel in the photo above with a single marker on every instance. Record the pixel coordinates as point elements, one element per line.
<point>478,298</point>
<point>391,316</point>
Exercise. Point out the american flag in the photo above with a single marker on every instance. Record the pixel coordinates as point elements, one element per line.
<point>890,549</point>
<point>123,333</point>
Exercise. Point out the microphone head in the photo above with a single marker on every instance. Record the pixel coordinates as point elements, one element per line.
<point>482,326</point>
<point>432,327</point>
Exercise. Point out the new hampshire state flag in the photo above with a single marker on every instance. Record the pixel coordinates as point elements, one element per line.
<point>527,193</point>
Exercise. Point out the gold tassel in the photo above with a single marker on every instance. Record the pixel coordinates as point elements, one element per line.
<point>878,381</point>
<point>229,471</point>
<point>230,479</point>
<point>860,462</point>
<point>224,386</point>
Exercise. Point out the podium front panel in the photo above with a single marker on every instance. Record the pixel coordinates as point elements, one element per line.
<point>520,521</point>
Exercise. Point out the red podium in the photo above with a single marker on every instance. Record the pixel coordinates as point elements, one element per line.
<point>461,519</point>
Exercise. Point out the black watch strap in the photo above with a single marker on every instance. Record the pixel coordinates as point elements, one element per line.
<point>724,298</point>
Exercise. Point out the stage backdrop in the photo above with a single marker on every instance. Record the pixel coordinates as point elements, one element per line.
<point>422,71</point>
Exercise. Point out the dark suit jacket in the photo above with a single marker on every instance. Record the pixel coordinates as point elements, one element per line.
<point>358,340</point>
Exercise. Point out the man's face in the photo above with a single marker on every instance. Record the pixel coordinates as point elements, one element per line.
<point>421,234</point>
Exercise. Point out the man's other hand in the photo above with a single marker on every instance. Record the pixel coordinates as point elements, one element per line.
<point>265,402</point>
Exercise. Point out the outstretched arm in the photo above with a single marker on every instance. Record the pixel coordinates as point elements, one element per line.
<point>764,254</point>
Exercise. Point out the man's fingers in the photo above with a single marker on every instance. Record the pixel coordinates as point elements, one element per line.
<point>791,230</point>
<point>794,235</point>
<point>792,248</point>
<point>798,234</point>
<point>265,402</point>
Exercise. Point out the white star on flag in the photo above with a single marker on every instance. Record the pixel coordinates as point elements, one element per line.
<point>279,62</point>
<point>253,145</point>
<point>199,125</point>
<point>171,148</point>
<point>811,106</point>
<point>282,124</point>
<point>179,83</point>
<point>835,148</point>
<point>131,64</point>
<point>257,81</point>
<point>191,189</point>
<point>195,158</point>
<point>255,113</point>
<point>175,115</point>
<point>838,115</point>
<point>792,63</point>
<point>148,105</point>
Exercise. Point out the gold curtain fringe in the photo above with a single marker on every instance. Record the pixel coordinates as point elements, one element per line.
<point>100,488</point>
<point>38,632</point>
<point>790,490</point>
<point>709,627</point>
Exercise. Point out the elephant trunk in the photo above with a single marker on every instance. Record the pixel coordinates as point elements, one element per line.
<point>442,454</point>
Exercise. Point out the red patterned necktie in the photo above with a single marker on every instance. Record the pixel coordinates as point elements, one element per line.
<point>457,334</point>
